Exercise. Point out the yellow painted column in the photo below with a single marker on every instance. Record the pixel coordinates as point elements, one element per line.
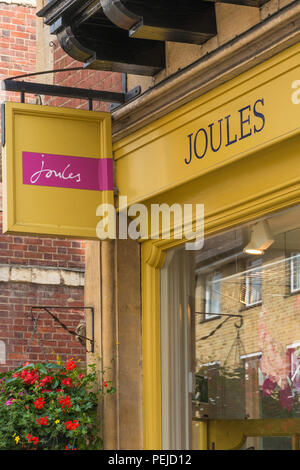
<point>203,435</point>
<point>295,442</point>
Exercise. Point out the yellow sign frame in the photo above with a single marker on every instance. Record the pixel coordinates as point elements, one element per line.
<point>46,210</point>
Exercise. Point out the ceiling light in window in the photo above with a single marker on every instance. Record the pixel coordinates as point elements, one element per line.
<point>260,239</point>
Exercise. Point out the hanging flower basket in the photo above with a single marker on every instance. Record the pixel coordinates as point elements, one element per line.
<point>50,406</point>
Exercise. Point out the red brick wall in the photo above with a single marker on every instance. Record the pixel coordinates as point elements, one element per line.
<point>18,47</point>
<point>96,80</point>
<point>38,251</point>
<point>34,251</point>
<point>18,39</point>
<point>17,43</point>
<point>16,298</point>
<point>16,326</point>
<point>18,56</point>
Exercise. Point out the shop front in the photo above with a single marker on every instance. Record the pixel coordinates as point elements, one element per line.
<point>220,326</point>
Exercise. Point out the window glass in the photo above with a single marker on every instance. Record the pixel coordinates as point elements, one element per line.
<point>295,272</point>
<point>244,363</point>
<point>253,282</point>
<point>257,349</point>
<point>213,295</point>
<point>268,443</point>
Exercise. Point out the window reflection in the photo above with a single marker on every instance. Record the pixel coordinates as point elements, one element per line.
<point>250,368</point>
<point>253,294</point>
<point>230,331</point>
<point>213,295</point>
<point>268,443</point>
<point>295,272</point>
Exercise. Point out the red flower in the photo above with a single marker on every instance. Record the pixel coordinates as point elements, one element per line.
<point>45,380</point>
<point>70,365</point>
<point>42,421</point>
<point>105,383</point>
<point>39,403</point>
<point>29,377</point>
<point>67,382</point>
<point>32,439</point>
<point>65,402</point>
<point>69,447</point>
<point>71,426</point>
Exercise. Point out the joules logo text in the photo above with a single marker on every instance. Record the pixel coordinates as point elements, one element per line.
<point>63,171</point>
<point>227,131</point>
<point>66,174</point>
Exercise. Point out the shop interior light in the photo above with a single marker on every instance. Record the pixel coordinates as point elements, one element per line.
<point>260,239</point>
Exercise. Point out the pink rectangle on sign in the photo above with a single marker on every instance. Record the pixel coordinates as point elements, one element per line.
<point>62,171</point>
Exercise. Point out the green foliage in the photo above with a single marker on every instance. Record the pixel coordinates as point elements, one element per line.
<point>50,406</point>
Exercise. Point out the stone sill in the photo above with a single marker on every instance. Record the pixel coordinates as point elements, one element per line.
<point>41,275</point>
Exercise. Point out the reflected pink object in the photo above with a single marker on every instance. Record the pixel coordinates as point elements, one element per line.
<point>286,398</point>
<point>274,364</point>
<point>274,361</point>
<point>268,387</point>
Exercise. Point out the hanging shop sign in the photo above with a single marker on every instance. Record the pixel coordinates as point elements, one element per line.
<point>57,169</point>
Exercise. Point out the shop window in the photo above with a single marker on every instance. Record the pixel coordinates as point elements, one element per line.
<point>213,295</point>
<point>245,363</point>
<point>253,283</point>
<point>295,272</point>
